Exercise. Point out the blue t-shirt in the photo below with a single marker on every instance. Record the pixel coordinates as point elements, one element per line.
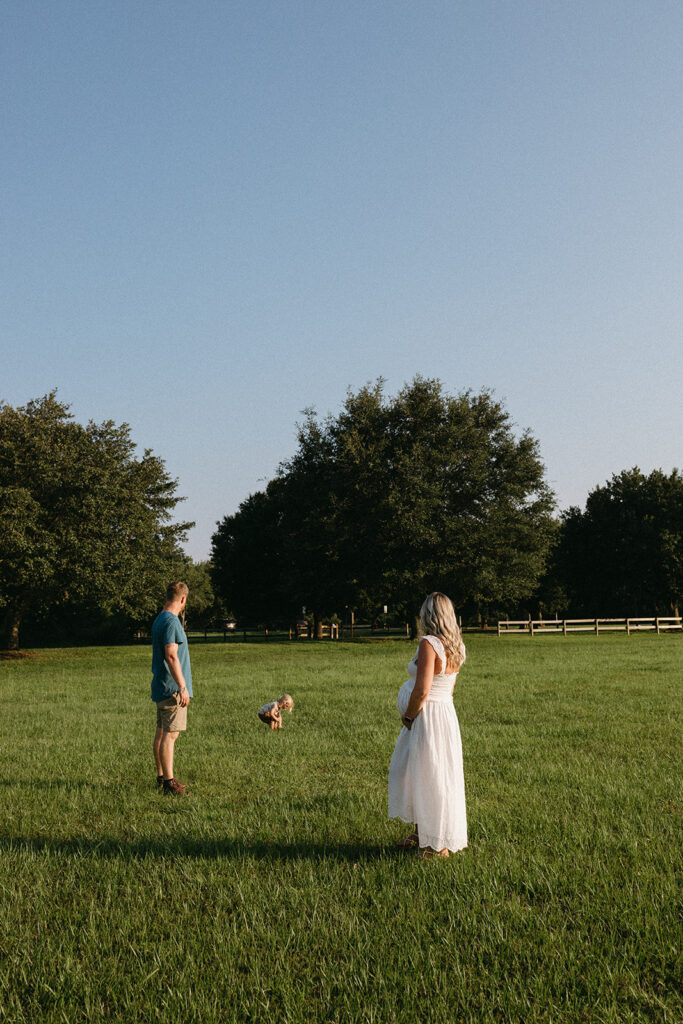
<point>167,630</point>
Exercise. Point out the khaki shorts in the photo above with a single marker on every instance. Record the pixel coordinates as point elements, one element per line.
<point>171,716</point>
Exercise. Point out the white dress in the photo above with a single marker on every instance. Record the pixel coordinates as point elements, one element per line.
<point>426,779</point>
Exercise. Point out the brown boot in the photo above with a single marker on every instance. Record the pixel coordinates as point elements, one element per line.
<point>173,787</point>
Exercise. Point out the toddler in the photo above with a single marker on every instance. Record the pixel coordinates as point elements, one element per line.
<point>271,713</point>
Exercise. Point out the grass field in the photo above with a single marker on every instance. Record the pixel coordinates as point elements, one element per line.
<point>273,892</point>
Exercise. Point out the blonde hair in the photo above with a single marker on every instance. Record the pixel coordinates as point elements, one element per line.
<point>437,618</point>
<point>285,703</point>
<point>177,590</point>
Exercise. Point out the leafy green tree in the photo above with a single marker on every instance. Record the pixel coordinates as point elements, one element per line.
<point>81,519</point>
<point>623,555</point>
<point>204,608</point>
<point>252,559</point>
<point>392,499</point>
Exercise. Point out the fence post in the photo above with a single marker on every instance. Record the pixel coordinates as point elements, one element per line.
<point>657,624</point>
<point>564,627</point>
<point>498,627</point>
<point>597,627</point>
<point>628,627</point>
<point>531,627</point>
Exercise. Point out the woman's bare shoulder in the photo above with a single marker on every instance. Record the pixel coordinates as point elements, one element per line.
<point>435,645</point>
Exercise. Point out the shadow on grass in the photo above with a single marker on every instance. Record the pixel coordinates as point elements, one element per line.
<point>199,849</point>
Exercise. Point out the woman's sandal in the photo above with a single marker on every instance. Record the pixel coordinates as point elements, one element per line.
<point>427,853</point>
<point>409,843</point>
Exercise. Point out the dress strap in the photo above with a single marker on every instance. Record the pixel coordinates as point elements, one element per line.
<point>438,647</point>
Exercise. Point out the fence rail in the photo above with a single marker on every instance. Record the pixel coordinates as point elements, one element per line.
<point>300,631</point>
<point>531,627</point>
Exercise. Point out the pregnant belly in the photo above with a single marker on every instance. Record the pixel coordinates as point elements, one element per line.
<point>404,696</point>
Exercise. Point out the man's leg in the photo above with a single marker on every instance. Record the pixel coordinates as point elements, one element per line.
<point>157,744</point>
<point>166,745</point>
<point>171,720</point>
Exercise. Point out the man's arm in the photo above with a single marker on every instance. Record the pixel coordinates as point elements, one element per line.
<point>173,662</point>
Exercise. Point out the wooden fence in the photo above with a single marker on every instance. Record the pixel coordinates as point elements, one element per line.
<point>300,631</point>
<point>532,627</point>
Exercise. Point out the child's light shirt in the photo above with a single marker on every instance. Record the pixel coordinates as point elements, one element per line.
<point>270,709</point>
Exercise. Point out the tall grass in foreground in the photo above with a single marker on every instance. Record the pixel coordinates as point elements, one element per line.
<point>273,891</point>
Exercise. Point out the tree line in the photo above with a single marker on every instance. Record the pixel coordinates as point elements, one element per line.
<point>623,554</point>
<point>396,497</point>
<point>87,541</point>
<point>388,500</point>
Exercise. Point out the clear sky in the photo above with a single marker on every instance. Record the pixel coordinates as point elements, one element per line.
<point>215,214</point>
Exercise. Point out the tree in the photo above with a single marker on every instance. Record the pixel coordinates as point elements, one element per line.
<point>251,559</point>
<point>81,519</point>
<point>204,609</point>
<point>623,555</point>
<point>392,499</point>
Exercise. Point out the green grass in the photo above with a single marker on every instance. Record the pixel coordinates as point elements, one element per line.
<point>273,892</point>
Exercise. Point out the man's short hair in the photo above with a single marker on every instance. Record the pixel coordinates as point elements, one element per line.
<point>176,591</point>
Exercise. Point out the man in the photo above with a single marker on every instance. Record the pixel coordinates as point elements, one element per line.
<point>171,684</point>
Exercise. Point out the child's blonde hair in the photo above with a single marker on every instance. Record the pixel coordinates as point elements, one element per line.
<point>285,703</point>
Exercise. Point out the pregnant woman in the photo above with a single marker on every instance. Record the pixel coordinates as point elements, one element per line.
<point>426,781</point>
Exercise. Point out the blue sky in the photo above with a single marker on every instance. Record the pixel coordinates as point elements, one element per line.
<point>215,215</point>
